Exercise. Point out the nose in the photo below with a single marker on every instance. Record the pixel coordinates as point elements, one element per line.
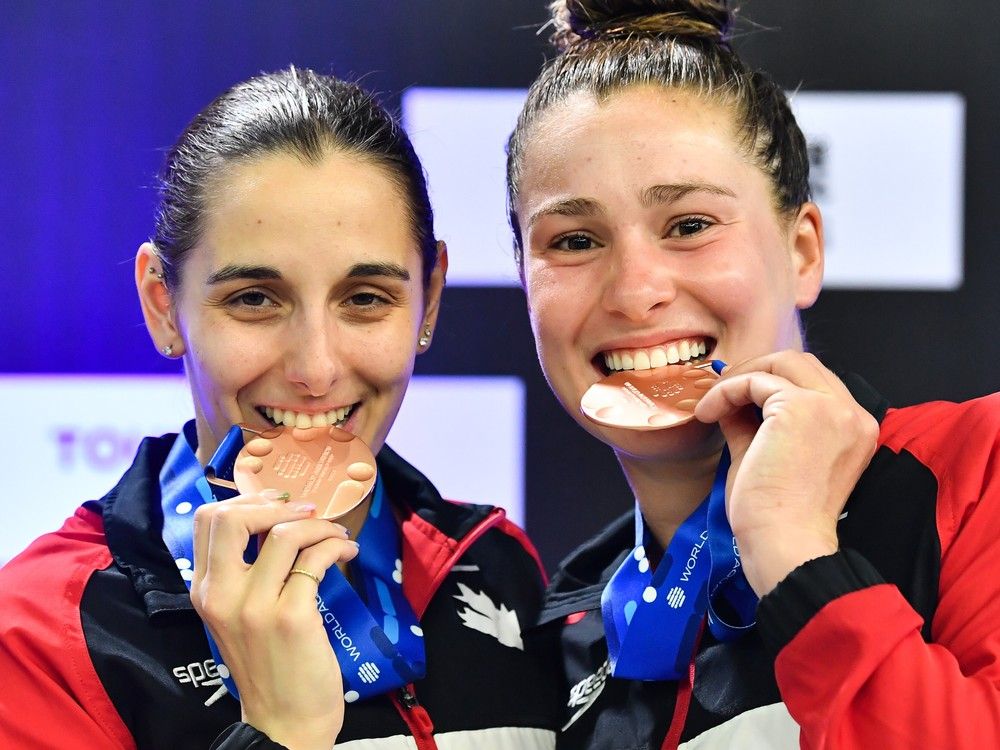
<point>312,360</point>
<point>639,278</point>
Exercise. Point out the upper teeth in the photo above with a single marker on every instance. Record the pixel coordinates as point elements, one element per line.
<point>291,418</point>
<point>656,356</point>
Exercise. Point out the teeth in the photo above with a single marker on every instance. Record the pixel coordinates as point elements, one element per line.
<point>290,418</point>
<point>657,356</point>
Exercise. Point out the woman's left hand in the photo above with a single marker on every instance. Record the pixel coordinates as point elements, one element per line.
<point>792,473</point>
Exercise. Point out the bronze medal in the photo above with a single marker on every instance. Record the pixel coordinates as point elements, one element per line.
<point>648,399</point>
<point>327,466</point>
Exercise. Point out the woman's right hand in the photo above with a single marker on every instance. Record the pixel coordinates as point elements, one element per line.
<point>264,618</point>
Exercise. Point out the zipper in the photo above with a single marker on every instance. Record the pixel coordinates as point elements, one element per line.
<point>405,698</point>
<point>415,716</point>
<point>683,700</point>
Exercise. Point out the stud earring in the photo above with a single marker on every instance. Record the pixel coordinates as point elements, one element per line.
<point>426,338</point>
<point>168,350</point>
<point>157,274</point>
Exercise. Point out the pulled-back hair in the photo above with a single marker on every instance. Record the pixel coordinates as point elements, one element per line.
<point>296,111</point>
<point>609,45</point>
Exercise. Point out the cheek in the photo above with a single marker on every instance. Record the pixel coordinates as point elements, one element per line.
<point>386,358</point>
<point>555,305</point>
<point>225,359</point>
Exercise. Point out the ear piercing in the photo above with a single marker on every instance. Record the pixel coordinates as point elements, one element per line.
<point>157,274</point>
<point>168,350</point>
<point>425,339</point>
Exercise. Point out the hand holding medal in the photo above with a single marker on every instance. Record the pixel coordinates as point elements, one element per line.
<point>255,605</point>
<point>791,474</point>
<point>266,634</point>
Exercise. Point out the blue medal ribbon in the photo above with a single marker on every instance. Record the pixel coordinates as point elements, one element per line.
<point>375,635</point>
<point>652,618</point>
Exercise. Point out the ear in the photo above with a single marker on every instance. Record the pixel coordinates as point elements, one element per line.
<point>156,303</point>
<point>806,247</point>
<point>432,297</point>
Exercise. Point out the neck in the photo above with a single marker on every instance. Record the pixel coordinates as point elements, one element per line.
<point>668,491</point>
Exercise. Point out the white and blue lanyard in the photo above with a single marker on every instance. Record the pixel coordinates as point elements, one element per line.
<point>373,631</point>
<point>652,619</point>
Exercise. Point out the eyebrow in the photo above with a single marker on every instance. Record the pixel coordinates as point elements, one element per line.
<point>659,194</point>
<point>392,270</point>
<point>231,272</point>
<point>652,196</point>
<point>269,273</point>
<point>569,207</point>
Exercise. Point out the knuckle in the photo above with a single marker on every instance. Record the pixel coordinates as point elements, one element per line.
<point>290,621</point>
<point>252,619</point>
<point>282,533</point>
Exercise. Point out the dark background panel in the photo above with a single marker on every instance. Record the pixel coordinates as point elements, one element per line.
<point>92,92</point>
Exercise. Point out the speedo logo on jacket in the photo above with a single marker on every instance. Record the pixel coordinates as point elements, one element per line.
<point>198,673</point>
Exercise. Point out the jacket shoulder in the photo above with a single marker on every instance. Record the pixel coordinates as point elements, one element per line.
<point>43,652</point>
<point>959,443</point>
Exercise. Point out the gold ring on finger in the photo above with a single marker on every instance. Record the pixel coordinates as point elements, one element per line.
<point>305,573</point>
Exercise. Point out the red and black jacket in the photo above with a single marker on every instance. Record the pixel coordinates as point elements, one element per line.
<point>101,648</point>
<point>892,643</point>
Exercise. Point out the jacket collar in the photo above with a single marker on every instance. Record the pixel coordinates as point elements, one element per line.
<point>434,532</point>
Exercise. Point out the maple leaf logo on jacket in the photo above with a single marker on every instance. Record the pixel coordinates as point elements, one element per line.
<point>483,615</point>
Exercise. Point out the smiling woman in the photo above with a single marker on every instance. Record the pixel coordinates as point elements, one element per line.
<point>294,269</point>
<point>805,566</point>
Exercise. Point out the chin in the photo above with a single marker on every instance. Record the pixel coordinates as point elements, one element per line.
<point>684,442</point>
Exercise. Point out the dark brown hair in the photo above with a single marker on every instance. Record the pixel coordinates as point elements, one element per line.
<point>296,111</point>
<point>609,45</point>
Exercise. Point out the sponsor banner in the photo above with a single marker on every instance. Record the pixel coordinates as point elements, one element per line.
<point>887,170</point>
<point>461,137</point>
<point>76,435</point>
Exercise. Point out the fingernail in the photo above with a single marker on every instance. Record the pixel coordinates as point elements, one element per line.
<point>347,531</point>
<point>275,495</point>
<point>304,508</point>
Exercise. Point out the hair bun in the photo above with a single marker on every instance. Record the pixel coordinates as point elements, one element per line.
<point>579,20</point>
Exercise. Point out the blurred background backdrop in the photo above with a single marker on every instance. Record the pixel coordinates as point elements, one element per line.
<point>899,99</point>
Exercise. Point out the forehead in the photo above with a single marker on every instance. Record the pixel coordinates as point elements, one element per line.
<point>641,132</point>
<point>283,207</point>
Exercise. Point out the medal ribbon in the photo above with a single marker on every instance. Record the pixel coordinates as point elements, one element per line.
<point>651,619</point>
<point>373,632</point>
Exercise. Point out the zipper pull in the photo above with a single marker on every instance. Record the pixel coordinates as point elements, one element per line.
<point>407,699</point>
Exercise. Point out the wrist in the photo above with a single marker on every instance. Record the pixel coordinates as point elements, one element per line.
<point>768,556</point>
<point>298,735</point>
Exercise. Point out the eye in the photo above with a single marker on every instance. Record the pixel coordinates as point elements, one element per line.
<point>575,242</point>
<point>251,298</point>
<point>688,226</point>
<point>366,299</point>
